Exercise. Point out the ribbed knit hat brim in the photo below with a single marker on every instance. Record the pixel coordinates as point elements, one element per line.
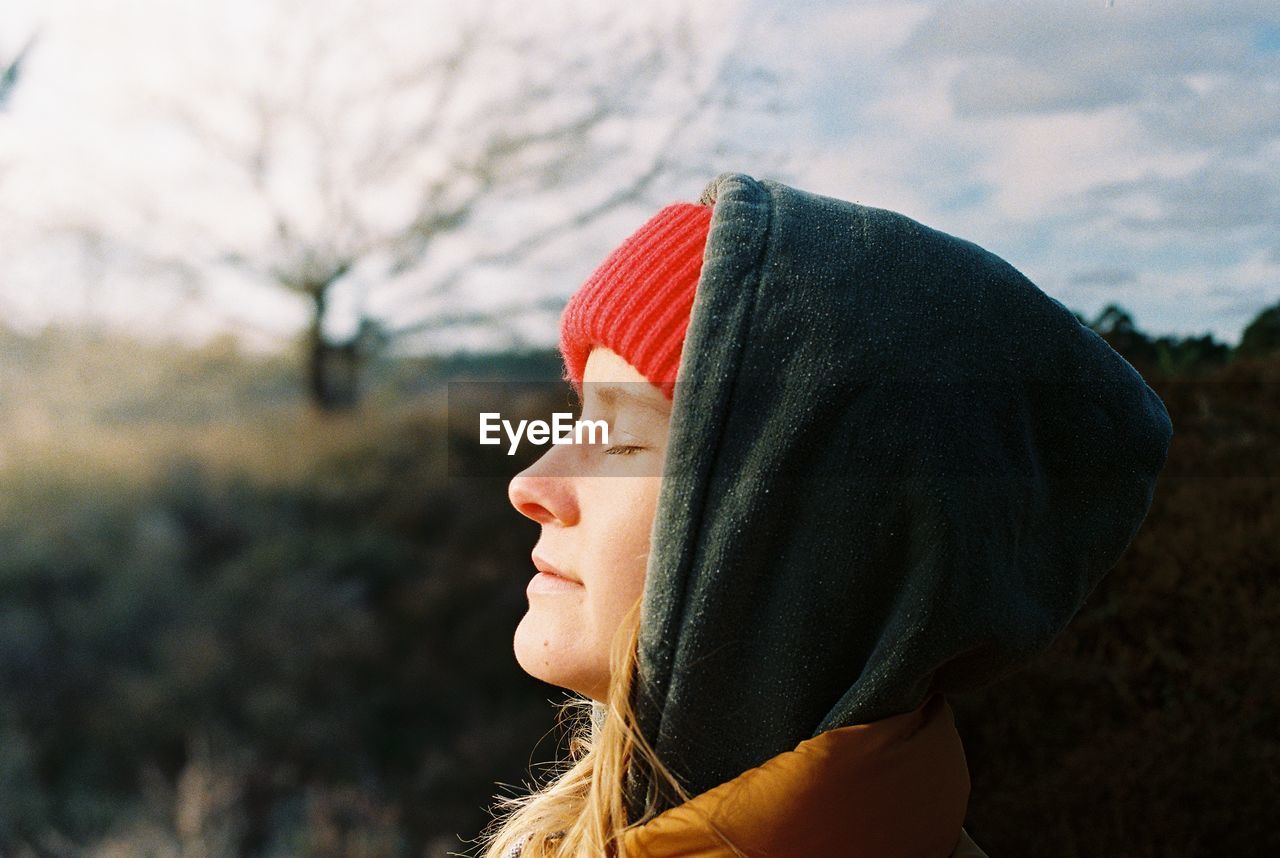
<point>639,300</point>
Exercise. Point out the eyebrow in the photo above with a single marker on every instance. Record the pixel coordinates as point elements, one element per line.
<point>611,392</point>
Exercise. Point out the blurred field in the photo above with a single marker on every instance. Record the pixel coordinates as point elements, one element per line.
<point>227,624</point>
<point>229,627</point>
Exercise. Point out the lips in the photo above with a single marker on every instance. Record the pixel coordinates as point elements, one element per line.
<point>543,566</point>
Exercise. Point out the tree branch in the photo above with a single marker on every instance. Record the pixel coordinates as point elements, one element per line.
<point>632,192</point>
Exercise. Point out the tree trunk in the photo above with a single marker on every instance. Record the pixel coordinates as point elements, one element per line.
<point>319,383</point>
<point>333,369</point>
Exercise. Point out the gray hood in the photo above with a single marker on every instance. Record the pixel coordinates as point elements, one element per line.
<point>895,467</point>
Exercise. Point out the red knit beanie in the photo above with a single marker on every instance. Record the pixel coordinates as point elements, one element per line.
<point>639,300</point>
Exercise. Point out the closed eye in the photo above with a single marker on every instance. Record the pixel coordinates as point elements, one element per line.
<point>623,449</point>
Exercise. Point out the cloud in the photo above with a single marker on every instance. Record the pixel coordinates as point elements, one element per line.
<point>999,86</point>
<point>1036,57</point>
<point>1129,153</point>
<point>1238,113</point>
<point>1219,197</point>
<point>1105,276</point>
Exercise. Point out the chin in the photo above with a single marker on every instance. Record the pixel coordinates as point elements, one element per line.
<point>547,653</point>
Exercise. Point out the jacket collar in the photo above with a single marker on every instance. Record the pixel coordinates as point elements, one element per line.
<point>895,787</point>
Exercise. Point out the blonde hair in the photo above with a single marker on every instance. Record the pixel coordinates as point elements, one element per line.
<point>582,810</point>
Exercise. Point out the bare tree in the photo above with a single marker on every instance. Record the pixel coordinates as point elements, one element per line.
<point>563,115</point>
<point>11,70</point>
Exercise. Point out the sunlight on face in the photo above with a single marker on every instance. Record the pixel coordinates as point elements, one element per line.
<point>595,530</point>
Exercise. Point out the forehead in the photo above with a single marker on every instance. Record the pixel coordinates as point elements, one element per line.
<point>604,364</point>
<point>609,378</point>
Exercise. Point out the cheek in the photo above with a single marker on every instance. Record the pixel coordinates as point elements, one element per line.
<point>626,541</point>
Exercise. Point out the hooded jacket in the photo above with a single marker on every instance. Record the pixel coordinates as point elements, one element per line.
<point>896,787</point>
<point>896,468</point>
<point>893,788</point>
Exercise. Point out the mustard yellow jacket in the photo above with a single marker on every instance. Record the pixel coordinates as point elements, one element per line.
<point>895,788</point>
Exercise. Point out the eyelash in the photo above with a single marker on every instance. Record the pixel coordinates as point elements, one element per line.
<point>623,449</point>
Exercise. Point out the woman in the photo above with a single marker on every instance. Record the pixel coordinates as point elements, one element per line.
<point>892,468</point>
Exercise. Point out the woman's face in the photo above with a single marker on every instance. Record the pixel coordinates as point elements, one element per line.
<point>595,503</point>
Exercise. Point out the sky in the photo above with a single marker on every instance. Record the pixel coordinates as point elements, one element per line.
<point>1124,152</point>
<point>1118,151</point>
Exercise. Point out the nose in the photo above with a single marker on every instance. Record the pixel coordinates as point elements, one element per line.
<point>541,497</point>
